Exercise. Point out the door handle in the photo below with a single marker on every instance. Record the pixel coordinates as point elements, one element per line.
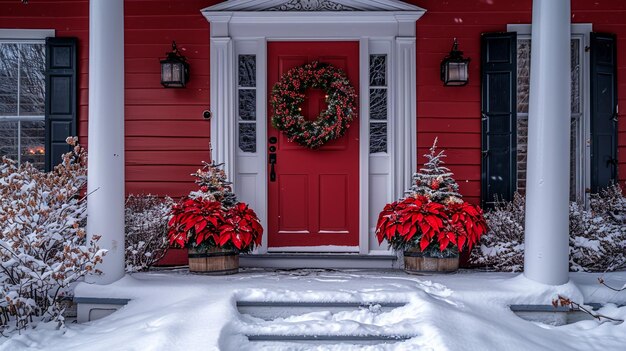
<point>272,161</point>
<point>611,162</point>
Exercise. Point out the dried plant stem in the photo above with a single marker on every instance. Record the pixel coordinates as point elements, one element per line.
<point>601,281</point>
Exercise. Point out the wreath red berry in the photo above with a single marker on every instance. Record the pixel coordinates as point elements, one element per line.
<point>289,92</point>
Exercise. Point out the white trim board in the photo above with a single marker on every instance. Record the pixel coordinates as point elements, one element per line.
<point>240,27</point>
<point>525,28</point>
<point>26,34</point>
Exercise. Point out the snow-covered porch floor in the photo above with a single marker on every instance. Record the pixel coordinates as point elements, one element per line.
<point>174,310</point>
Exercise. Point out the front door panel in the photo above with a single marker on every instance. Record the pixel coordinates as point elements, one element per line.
<point>314,199</point>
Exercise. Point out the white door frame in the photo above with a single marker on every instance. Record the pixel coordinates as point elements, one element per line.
<point>243,27</point>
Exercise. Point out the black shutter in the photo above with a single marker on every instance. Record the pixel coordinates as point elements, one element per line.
<point>499,116</point>
<point>61,105</point>
<point>603,110</point>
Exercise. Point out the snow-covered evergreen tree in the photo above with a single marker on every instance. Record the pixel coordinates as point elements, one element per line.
<point>434,180</point>
<point>214,185</point>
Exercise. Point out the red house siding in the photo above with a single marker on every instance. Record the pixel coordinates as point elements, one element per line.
<point>453,114</point>
<point>166,137</point>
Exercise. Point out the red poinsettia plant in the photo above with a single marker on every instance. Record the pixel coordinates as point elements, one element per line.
<point>211,217</point>
<point>241,226</point>
<point>201,222</point>
<point>432,217</point>
<point>418,222</point>
<point>195,221</point>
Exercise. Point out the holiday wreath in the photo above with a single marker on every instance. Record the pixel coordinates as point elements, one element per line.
<point>289,92</point>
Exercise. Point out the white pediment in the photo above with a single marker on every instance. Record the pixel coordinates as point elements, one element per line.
<point>312,18</point>
<point>314,5</point>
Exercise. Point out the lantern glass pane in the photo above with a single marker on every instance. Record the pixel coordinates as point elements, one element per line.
<point>457,71</point>
<point>166,72</point>
<point>177,72</point>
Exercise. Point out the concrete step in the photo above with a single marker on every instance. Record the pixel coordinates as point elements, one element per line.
<point>327,339</point>
<point>277,311</point>
<point>318,260</point>
<point>551,315</point>
<point>269,310</point>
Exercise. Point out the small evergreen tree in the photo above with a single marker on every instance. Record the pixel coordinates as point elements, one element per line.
<point>211,179</point>
<point>434,180</point>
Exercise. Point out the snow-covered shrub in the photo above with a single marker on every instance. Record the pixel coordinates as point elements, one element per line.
<point>43,245</point>
<point>610,201</point>
<point>502,248</point>
<point>597,235</point>
<point>146,230</point>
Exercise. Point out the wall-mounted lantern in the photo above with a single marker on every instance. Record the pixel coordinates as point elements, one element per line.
<point>174,69</point>
<point>455,68</point>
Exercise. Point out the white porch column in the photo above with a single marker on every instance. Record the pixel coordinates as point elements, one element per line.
<point>546,257</point>
<point>105,204</point>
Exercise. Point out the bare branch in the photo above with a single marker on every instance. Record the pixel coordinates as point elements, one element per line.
<point>574,306</point>
<point>601,281</point>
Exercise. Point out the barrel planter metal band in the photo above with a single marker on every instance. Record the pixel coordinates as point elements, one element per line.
<point>416,262</point>
<point>213,261</point>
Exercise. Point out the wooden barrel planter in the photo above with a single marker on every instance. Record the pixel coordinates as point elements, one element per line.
<point>213,261</point>
<point>416,262</point>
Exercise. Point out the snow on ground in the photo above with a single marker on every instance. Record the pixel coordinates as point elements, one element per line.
<point>174,310</point>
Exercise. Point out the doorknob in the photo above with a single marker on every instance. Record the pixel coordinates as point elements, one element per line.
<point>272,161</point>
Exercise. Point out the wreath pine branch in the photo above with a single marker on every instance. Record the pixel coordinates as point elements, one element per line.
<point>332,123</point>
